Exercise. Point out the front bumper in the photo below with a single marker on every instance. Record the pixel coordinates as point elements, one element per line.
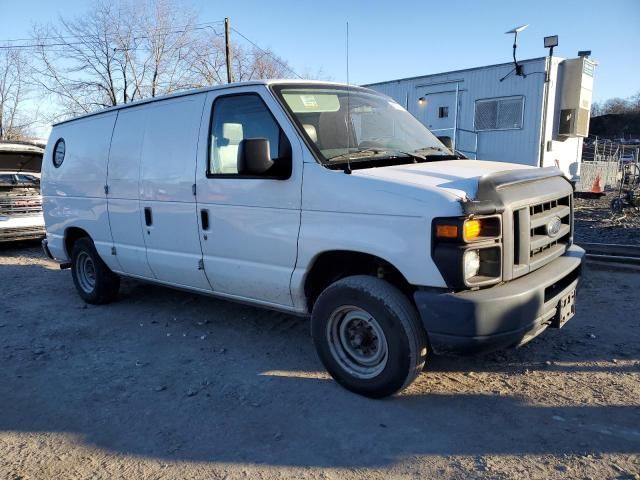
<point>21,228</point>
<point>501,316</point>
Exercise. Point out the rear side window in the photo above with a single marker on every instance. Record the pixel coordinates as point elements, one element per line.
<point>58,152</point>
<point>238,117</point>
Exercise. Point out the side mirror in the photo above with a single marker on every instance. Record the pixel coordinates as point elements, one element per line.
<point>254,156</point>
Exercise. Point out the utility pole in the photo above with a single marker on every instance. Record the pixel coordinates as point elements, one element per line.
<point>227,48</point>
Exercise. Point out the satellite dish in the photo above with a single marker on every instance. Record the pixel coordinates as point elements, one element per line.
<point>517,29</point>
<point>517,68</point>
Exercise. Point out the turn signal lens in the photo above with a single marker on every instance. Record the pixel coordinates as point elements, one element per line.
<point>472,229</point>
<point>447,231</point>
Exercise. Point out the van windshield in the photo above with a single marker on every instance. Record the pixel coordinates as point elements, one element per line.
<point>345,124</point>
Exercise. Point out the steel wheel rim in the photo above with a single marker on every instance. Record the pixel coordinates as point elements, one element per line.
<point>357,341</point>
<point>86,272</point>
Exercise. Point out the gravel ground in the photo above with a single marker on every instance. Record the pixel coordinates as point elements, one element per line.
<point>595,222</point>
<point>164,384</point>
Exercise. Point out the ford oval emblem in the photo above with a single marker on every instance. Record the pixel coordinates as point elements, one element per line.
<point>553,226</point>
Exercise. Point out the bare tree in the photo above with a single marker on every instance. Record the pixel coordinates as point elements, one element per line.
<point>209,67</point>
<point>14,124</point>
<point>160,35</point>
<point>114,54</point>
<point>127,50</point>
<point>617,105</point>
<point>208,61</point>
<point>256,64</point>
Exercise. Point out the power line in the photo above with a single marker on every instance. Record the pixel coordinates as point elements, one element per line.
<point>197,26</point>
<point>273,56</point>
<point>185,29</point>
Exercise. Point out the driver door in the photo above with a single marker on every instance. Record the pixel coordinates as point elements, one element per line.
<point>248,225</point>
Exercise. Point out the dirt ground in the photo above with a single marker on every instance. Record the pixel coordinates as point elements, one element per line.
<point>164,384</point>
<point>595,222</point>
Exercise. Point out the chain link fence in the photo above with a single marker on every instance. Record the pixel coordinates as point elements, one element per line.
<point>604,163</point>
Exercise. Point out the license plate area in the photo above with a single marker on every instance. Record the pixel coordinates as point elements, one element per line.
<point>565,310</point>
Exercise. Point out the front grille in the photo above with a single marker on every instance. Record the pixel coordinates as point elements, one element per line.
<point>21,204</point>
<point>542,232</point>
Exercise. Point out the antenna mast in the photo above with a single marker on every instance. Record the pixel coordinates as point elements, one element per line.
<point>348,116</point>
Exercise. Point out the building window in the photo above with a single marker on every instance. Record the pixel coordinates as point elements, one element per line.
<point>443,112</point>
<point>499,113</point>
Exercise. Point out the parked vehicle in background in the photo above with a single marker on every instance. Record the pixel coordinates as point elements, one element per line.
<point>317,199</point>
<point>21,215</point>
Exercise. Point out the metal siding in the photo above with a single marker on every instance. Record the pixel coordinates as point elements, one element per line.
<point>518,146</point>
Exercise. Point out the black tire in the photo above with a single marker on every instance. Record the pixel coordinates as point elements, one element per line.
<point>404,338</point>
<point>94,281</point>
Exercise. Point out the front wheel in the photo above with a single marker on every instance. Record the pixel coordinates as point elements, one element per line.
<point>94,281</point>
<point>368,336</point>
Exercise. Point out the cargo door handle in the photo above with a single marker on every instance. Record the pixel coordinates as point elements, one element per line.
<point>148,217</point>
<point>204,219</point>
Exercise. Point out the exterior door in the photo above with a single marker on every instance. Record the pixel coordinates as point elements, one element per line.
<point>437,112</point>
<point>124,183</point>
<point>248,224</point>
<point>167,203</point>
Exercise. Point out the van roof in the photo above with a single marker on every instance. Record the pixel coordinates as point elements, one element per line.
<point>184,93</point>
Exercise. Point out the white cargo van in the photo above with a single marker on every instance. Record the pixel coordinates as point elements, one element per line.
<point>316,199</point>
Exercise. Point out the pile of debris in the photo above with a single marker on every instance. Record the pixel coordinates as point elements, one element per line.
<point>595,222</point>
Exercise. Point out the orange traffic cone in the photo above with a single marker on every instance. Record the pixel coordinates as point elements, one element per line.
<point>596,188</point>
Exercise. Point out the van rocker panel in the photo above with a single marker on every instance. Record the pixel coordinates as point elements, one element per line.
<point>501,316</point>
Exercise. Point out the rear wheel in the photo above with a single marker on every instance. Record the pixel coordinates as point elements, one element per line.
<point>94,281</point>
<point>368,336</point>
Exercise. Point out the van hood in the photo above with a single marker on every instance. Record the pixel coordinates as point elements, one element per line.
<point>21,156</point>
<point>458,177</point>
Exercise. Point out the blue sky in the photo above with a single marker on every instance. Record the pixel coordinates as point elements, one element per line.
<point>395,39</point>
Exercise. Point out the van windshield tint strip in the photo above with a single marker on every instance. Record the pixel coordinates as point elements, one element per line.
<point>339,123</point>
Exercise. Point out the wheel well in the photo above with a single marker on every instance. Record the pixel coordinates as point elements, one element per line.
<point>330,267</point>
<point>71,236</point>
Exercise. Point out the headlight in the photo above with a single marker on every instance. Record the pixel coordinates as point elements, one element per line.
<point>468,250</point>
<point>471,264</point>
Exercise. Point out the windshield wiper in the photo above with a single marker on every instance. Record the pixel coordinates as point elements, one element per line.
<point>439,152</point>
<point>357,154</point>
<point>378,153</point>
<point>423,150</point>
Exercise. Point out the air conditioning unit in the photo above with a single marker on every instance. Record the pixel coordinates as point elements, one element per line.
<point>575,97</point>
<point>574,122</point>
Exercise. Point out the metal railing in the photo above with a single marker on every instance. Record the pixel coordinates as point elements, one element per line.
<point>457,144</point>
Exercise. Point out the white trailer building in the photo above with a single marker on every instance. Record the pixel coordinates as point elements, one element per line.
<point>539,118</point>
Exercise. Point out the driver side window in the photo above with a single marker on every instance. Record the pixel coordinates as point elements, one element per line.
<point>239,117</point>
